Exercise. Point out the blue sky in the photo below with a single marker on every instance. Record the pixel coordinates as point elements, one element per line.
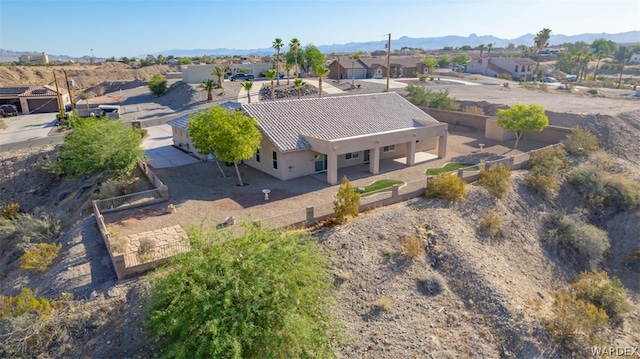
<point>136,27</point>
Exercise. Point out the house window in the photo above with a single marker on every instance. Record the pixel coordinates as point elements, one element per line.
<point>529,68</point>
<point>390,148</point>
<point>275,160</point>
<point>258,155</point>
<point>516,68</point>
<point>351,156</point>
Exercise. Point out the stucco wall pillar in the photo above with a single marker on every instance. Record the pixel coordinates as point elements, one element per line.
<point>442,146</point>
<point>374,161</point>
<point>411,153</point>
<point>332,168</point>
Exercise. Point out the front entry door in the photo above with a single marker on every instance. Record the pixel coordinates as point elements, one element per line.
<point>321,163</point>
<point>367,154</point>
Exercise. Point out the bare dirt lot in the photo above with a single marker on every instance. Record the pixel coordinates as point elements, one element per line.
<point>467,296</point>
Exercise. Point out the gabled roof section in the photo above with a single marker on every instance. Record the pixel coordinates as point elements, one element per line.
<point>13,90</point>
<point>183,121</point>
<point>331,118</point>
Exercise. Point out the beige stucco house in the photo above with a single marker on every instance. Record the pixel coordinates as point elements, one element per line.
<point>519,68</point>
<point>38,58</point>
<point>34,99</point>
<point>307,136</point>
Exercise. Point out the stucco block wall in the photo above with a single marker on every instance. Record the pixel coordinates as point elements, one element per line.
<point>456,117</point>
<point>195,74</point>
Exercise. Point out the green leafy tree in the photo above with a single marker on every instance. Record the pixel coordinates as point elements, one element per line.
<point>294,46</point>
<point>278,44</point>
<point>247,85</point>
<point>271,75</point>
<point>299,84</point>
<point>522,118</point>
<point>185,61</point>
<point>431,64</point>
<point>311,57</point>
<point>158,85</point>
<point>607,47</point>
<point>99,146</point>
<point>465,47</point>
<point>208,85</point>
<point>264,294</point>
<point>321,71</point>
<point>161,60</point>
<point>347,201</point>
<point>540,42</point>
<point>231,135</point>
<point>461,59</point>
<point>443,61</point>
<point>219,73</point>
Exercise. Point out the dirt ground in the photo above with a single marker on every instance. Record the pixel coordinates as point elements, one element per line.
<point>466,297</point>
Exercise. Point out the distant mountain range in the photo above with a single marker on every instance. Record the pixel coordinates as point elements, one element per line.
<point>426,43</point>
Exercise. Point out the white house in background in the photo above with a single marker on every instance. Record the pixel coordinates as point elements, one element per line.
<point>251,68</point>
<point>635,59</point>
<point>34,58</point>
<point>307,136</point>
<point>519,68</point>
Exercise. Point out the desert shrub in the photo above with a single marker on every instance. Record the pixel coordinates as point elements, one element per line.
<point>422,78</point>
<point>544,87</point>
<point>347,201</point>
<point>33,229</point>
<point>592,91</point>
<point>588,182</point>
<point>432,284</point>
<point>622,194</point>
<point>264,294</point>
<point>490,225</point>
<point>530,85</point>
<point>115,188</point>
<point>413,245</point>
<point>608,294</point>
<point>11,211</point>
<point>145,249</point>
<point>477,110</point>
<point>590,241</point>
<point>119,244</point>
<point>420,96</point>
<point>603,161</point>
<point>505,84</point>
<point>602,188</point>
<point>505,76</point>
<point>573,318</point>
<point>2,125</point>
<point>545,167</point>
<point>383,303</point>
<point>497,179</point>
<point>40,256</point>
<point>580,141</point>
<point>446,186</point>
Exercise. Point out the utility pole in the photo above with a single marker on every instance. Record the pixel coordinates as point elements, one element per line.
<point>66,77</point>
<point>338,56</point>
<point>388,60</point>
<point>58,97</point>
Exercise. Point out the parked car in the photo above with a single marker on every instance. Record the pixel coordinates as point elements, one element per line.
<point>572,78</point>
<point>241,76</point>
<point>8,110</point>
<point>548,79</point>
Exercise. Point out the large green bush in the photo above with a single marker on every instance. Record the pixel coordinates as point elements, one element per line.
<point>446,186</point>
<point>262,295</point>
<point>347,203</point>
<point>606,189</point>
<point>158,85</point>
<point>590,241</point>
<point>581,142</point>
<point>545,166</point>
<point>608,294</point>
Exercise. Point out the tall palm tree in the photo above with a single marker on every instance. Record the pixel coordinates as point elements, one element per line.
<point>540,41</point>
<point>585,64</point>
<point>287,69</point>
<point>208,85</point>
<point>321,71</point>
<point>219,72</point>
<point>599,55</point>
<point>294,46</point>
<point>271,75</point>
<point>578,63</point>
<point>626,53</point>
<point>489,48</point>
<point>482,47</point>
<point>299,84</point>
<point>278,44</point>
<point>247,86</point>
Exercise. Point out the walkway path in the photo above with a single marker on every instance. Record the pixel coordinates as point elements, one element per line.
<point>392,83</point>
<point>255,93</point>
<point>326,87</point>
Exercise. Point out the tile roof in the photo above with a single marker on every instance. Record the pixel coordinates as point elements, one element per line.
<point>183,121</point>
<point>29,91</point>
<point>335,117</point>
<point>13,90</point>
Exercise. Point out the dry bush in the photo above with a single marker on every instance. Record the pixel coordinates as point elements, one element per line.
<point>607,294</point>
<point>115,188</point>
<point>431,285</point>
<point>505,76</point>
<point>343,275</point>
<point>603,161</point>
<point>590,241</point>
<point>413,246</point>
<point>477,110</point>
<point>383,303</point>
<point>446,186</point>
<point>119,244</point>
<point>40,256</point>
<point>145,250</point>
<point>544,87</point>
<point>545,166</point>
<point>11,211</point>
<point>602,188</point>
<point>505,85</point>
<point>581,142</point>
<point>576,319</point>
<point>347,201</point>
<point>490,225</point>
<point>497,179</point>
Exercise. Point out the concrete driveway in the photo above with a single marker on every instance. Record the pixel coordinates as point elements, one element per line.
<point>158,146</point>
<point>27,127</point>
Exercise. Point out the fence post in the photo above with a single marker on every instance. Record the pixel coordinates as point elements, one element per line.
<point>512,160</point>
<point>460,173</point>
<point>309,215</point>
<point>164,191</point>
<point>394,190</point>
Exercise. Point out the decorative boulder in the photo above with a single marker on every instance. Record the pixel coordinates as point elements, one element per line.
<point>171,209</point>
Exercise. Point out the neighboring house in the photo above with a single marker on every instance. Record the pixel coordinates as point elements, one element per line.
<point>377,68</point>
<point>195,74</point>
<point>251,68</point>
<point>635,59</point>
<point>173,61</point>
<point>307,136</point>
<point>519,68</point>
<point>34,99</point>
<point>34,58</point>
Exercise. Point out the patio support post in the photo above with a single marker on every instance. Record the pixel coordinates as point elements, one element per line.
<point>442,146</point>
<point>374,161</point>
<point>332,168</point>
<point>411,153</point>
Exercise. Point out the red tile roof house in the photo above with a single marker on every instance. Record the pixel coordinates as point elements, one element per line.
<point>519,68</point>
<point>309,136</point>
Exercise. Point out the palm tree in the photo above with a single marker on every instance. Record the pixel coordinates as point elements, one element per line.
<point>299,84</point>
<point>294,46</point>
<point>278,44</point>
<point>208,85</point>
<point>578,63</point>
<point>287,69</point>
<point>600,55</point>
<point>489,47</point>
<point>585,64</point>
<point>431,64</point>
<point>355,58</point>
<point>321,71</point>
<point>540,41</point>
<point>625,55</point>
<point>271,75</point>
<point>247,86</point>
<point>481,47</point>
<point>219,72</point>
